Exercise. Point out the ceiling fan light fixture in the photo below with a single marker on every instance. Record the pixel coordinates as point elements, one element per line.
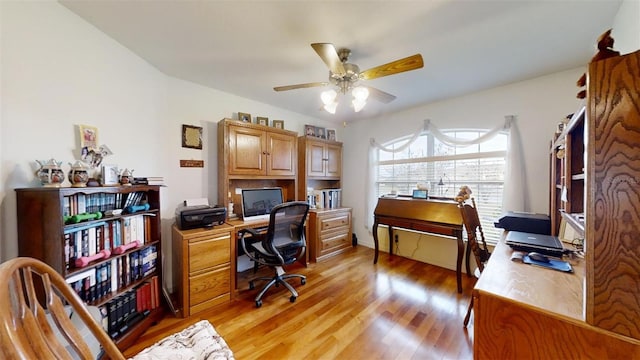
<point>331,107</point>
<point>328,97</point>
<point>360,93</point>
<point>358,104</point>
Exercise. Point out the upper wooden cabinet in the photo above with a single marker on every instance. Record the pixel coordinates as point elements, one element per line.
<point>255,156</point>
<point>319,164</point>
<point>254,150</point>
<point>324,159</point>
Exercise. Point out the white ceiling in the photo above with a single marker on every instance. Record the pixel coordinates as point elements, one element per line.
<point>248,47</point>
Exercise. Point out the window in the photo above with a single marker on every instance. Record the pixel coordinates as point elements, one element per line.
<point>444,168</point>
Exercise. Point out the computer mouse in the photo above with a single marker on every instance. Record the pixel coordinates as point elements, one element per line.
<point>538,257</point>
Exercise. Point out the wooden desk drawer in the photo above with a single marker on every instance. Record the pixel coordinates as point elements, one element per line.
<point>209,285</point>
<point>335,221</point>
<point>209,253</point>
<point>335,242</point>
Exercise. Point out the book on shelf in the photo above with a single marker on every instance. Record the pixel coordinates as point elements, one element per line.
<point>324,198</point>
<point>149,180</point>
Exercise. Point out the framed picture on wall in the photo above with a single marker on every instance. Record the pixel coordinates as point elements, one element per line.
<point>192,137</point>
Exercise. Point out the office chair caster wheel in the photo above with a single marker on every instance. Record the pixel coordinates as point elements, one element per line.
<point>258,303</point>
<point>292,298</point>
<point>303,281</point>
<point>251,286</point>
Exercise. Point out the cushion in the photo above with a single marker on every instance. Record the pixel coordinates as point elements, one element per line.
<point>198,341</point>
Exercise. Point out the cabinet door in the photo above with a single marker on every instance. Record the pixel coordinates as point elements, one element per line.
<point>315,159</point>
<point>281,154</point>
<point>334,160</point>
<point>246,154</point>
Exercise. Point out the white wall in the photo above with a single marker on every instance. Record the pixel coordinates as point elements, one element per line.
<point>626,27</point>
<point>59,71</point>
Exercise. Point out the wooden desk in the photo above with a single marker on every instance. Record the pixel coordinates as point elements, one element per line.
<point>523,311</point>
<point>430,216</point>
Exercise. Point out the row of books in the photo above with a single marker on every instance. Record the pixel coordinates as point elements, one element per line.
<point>325,198</point>
<point>123,311</point>
<point>77,204</point>
<point>88,240</point>
<point>101,281</point>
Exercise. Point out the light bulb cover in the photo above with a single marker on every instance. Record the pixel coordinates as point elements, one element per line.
<point>358,104</point>
<point>331,108</point>
<point>328,96</point>
<point>360,93</point>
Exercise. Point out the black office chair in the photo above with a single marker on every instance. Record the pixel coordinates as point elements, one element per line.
<point>281,245</point>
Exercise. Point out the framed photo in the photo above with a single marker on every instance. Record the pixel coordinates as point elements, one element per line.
<point>278,124</point>
<point>310,130</point>
<point>262,120</point>
<point>109,175</point>
<point>419,194</point>
<point>320,132</point>
<point>88,137</point>
<point>331,134</point>
<point>244,117</point>
<point>192,137</point>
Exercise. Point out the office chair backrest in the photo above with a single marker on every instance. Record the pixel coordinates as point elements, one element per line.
<point>472,225</point>
<point>34,315</point>
<point>285,237</point>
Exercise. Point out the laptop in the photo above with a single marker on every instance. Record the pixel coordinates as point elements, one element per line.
<point>544,244</point>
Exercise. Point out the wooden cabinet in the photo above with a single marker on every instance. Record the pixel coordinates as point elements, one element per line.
<point>323,158</point>
<point>49,229</point>
<point>612,195</point>
<point>319,164</point>
<point>261,152</point>
<point>202,265</point>
<point>329,232</point>
<point>568,175</point>
<point>252,155</point>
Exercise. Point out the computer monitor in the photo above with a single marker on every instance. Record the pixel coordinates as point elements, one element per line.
<point>257,203</point>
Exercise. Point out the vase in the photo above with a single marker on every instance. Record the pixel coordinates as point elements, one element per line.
<point>50,173</point>
<point>79,174</point>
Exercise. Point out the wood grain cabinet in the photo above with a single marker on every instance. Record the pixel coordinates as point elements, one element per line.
<point>254,151</point>
<point>329,232</point>
<point>202,266</point>
<point>253,156</point>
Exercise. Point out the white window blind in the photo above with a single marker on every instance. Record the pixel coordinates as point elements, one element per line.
<point>445,168</point>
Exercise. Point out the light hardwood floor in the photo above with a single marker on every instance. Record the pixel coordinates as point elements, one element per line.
<point>349,309</point>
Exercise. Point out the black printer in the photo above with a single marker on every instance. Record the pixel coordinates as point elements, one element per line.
<point>200,216</point>
<point>525,222</point>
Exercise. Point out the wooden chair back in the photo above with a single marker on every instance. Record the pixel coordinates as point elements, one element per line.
<point>34,315</point>
<point>475,235</point>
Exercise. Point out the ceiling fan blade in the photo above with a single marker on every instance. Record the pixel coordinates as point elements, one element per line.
<point>409,63</point>
<point>300,86</point>
<point>380,95</point>
<point>329,55</point>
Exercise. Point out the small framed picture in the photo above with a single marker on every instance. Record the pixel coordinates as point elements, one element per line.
<point>88,137</point>
<point>331,134</point>
<point>262,120</point>
<point>192,137</point>
<point>419,194</point>
<point>320,132</point>
<point>278,124</point>
<point>244,117</point>
<point>310,130</point>
<point>109,174</point>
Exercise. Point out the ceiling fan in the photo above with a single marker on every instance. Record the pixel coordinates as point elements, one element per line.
<point>345,76</point>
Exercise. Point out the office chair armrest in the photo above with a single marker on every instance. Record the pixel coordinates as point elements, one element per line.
<point>255,237</point>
